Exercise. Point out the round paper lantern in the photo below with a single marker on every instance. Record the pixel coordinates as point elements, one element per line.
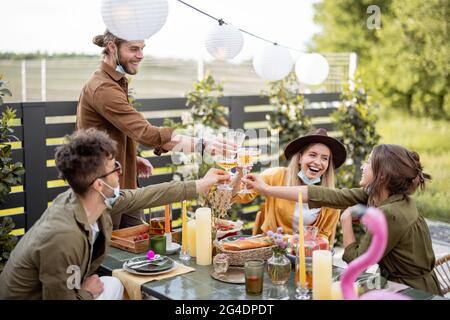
<point>273,62</point>
<point>224,42</point>
<point>134,19</point>
<point>312,68</point>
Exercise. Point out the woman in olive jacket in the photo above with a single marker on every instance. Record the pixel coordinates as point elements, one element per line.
<point>389,178</point>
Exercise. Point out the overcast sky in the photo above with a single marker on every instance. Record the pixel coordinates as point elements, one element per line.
<point>69,25</point>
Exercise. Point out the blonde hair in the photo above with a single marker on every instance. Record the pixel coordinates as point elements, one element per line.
<point>292,179</point>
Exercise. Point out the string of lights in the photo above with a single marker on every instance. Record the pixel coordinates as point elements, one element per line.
<point>221,21</point>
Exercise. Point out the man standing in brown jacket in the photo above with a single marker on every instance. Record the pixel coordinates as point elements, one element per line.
<point>103,104</point>
<point>57,257</point>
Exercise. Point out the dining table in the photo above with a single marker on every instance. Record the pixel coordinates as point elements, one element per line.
<point>200,285</point>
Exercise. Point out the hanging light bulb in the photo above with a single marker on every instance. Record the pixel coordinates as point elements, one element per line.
<point>224,41</point>
<point>273,62</point>
<point>312,68</point>
<point>134,19</point>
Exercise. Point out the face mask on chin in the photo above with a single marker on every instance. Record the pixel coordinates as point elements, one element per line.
<point>306,180</point>
<point>109,201</point>
<point>119,67</point>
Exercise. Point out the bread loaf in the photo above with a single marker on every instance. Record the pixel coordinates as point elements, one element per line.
<point>247,244</point>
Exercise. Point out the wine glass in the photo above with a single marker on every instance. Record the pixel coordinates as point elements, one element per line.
<point>228,161</point>
<point>247,157</point>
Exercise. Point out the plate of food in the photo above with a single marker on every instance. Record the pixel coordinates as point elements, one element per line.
<point>227,228</point>
<point>144,266</point>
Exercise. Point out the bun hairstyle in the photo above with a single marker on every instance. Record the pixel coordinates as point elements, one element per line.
<point>396,169</point>
<point>102,41</point>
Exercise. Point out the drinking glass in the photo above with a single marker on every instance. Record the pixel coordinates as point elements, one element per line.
<point>247,157</point>
<point>254,276</point>
<point>226,160</point>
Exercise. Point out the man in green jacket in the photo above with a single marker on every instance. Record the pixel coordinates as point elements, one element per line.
<point>57,257</point>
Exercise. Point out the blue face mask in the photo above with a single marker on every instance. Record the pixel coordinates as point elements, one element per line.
<point>119,67</point>
<point>109,202</point>
<point>306,180</point>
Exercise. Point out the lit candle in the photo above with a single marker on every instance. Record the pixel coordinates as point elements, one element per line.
<point>167,218</point>
<point>184,231</point>
<point>322,274</point>
<point>204,238</point>
<point>301,244</point>
<point>191,233</point>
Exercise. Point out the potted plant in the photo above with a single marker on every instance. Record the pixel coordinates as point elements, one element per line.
<point>10,175</point>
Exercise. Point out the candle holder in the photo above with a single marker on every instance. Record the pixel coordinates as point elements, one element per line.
<point>302,292</point>
<point>184,255</point>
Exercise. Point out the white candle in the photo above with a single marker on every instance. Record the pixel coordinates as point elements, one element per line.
<point>204,238</point>
<point>192,238</point>
<point>336,292</point>
<point>322,274</point>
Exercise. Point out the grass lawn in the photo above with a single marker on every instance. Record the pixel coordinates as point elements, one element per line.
<point>431,139</point>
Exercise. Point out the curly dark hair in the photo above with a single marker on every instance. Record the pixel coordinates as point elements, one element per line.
<point>82,158</point>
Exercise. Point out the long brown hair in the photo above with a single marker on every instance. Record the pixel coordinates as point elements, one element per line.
<point>396,169</point>
<point>292,179</point>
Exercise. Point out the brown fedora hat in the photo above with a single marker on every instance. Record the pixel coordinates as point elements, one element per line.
<point>318,136</point>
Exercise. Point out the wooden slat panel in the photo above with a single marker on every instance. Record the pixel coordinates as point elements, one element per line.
<point>59,129</point>
<point>52,173</point>
<point>322,97</point>
<point>158,122</point>
<point>18,132</point>
<point>19,220</point>
<point>53,192</point>
<point>17,155</point>
<point>161,161</point>
<point>255,116</point>
<point>14,200</point>
<point>322,112</point>
<point>160,178</point>
<point>61,108</point>
<point>161,104</point>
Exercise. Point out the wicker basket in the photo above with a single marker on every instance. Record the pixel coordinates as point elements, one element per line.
<point>238,258</point>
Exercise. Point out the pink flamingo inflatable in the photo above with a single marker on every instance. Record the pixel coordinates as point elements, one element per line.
<point>376,224</point>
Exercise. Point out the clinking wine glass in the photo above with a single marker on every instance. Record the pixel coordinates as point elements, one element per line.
<point>247,157</point>
<point>228,161</point>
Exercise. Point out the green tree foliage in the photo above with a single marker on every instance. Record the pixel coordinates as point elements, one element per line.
<point>356,120</point>
<point>406,60</point>
<point>10,175</point>
<point>288,119</point>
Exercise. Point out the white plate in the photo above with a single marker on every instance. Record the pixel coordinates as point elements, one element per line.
<point>174,247</point>
<point>175,265</point>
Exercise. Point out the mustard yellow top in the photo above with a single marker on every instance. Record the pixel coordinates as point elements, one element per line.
<point>277,212</point>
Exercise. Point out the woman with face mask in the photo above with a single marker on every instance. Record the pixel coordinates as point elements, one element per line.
<point>390,177</point>
<point>313,160</point>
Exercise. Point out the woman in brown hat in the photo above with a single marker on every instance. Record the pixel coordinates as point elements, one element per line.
<point>313,160</point>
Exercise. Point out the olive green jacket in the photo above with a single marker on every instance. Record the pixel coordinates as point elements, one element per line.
<point>409,256</point>
<point>44,263</point>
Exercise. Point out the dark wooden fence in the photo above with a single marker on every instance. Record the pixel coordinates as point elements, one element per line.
<point>44,124</point>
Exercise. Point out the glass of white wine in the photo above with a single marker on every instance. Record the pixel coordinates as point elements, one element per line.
<point>247,157</point>
<point>228,161</point>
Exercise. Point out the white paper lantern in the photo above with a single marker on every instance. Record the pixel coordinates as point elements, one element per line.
<point>224,42</point>
<point>273,62</point>
<point>312,68</point>
<point>134,19</point>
